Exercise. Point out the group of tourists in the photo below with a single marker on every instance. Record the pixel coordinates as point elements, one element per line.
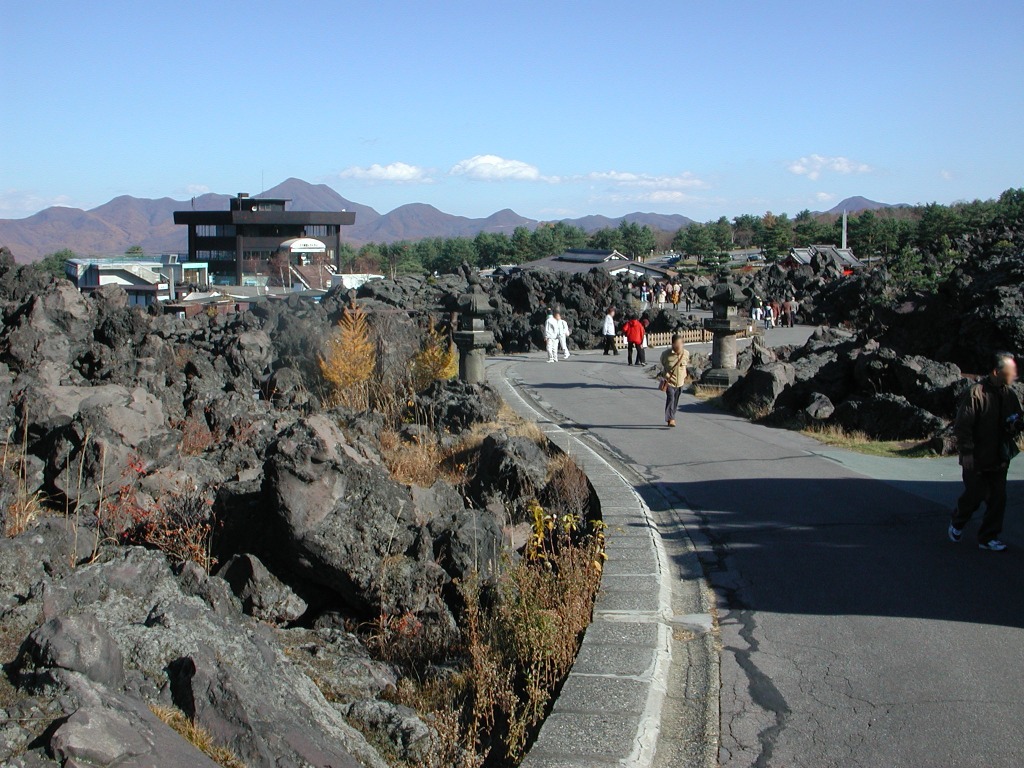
<point>556,335</point>
<point>773,314</point>
<point>658,294</point>
<point>635,331</point>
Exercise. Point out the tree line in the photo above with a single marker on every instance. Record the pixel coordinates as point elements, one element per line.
<point>492,249</point>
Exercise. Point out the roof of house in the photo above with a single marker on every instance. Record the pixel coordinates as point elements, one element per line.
<point>614,264</point>
<point>842,256</point>
<point>590,255</point>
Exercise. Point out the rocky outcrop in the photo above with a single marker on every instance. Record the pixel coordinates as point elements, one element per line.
<point>347,525</point>
<point>127,630</point>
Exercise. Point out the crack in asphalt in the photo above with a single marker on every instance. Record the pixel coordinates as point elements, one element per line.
<point>761,690</point>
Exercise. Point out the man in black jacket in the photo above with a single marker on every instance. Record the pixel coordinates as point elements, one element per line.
<point>988,424</point>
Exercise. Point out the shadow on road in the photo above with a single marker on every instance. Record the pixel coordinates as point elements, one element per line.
<point>847,546</point>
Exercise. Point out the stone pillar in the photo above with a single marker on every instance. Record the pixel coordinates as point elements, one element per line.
<point>724,324</point>
<point>472,338</point>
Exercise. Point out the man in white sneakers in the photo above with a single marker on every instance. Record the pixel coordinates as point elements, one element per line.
<point>988,425</point>
<point>563,335</point>
<point>552,330</point>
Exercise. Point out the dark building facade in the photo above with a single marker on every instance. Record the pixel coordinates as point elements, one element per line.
<point>239,243</point>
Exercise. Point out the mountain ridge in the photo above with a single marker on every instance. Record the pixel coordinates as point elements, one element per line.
<point>125,221</point>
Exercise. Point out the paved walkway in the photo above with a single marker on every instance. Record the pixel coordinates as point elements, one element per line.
<point>851,632</point>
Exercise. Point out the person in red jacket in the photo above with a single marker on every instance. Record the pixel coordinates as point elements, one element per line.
<point>634,332</point>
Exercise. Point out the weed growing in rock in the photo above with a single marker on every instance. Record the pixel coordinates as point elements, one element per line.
<point>197,736</point>
<point>19,507</point>
<point>519,638</point>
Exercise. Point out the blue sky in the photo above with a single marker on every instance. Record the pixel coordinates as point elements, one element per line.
<point>553,109</point>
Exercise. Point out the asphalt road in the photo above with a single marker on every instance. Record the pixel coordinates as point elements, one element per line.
<point>853,632</point>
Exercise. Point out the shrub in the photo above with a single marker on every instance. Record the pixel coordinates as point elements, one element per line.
<point>182,528</point>
<point>196,437</point>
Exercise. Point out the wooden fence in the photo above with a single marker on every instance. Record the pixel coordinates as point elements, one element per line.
<point>694,336</point>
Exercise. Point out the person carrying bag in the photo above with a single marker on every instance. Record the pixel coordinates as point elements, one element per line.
<point>673,377</point>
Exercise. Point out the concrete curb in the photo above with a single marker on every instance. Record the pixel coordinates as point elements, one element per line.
<point>650,651</point>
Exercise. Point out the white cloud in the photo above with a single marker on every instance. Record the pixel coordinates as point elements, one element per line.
<point>627,179</point>
<point>946,175</point>
<point>194,190</point>
<point>668,196</point>
<point>17,203</point>
<point>494,168</point>
<point>397,173</point>
<point>824,197</point>
<point>658,196</point>
<point>813,166</point>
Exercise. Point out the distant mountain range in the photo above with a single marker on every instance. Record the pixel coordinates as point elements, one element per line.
<point>125,221</point>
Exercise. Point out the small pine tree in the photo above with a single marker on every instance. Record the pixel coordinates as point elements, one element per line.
<point>348,362</point>
<point>435,360</point>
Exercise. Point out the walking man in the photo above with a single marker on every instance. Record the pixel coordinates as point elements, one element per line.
<point>552,330</point>
<point>608,332</point>
<point>563,336</point>
<point>988,424</point>
<point>673,376</point>
<point>787,312</point>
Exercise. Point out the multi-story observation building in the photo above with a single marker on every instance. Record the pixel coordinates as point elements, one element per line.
<point>258,238</point>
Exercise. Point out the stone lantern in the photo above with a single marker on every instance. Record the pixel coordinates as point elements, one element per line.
<point>725,323</point>
<point>471,337</point>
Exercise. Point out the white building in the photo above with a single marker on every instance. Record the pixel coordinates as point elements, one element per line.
<point>146,280</point>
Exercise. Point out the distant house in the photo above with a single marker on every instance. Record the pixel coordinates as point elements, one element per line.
<point>841,257</point>
<point>350,280</point>
<point>145,280</point>
<point>580,260</point>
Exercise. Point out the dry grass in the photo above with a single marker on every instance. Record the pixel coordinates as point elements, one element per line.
<point>755,411</point>
<point>710,395</point>
<point>22,512</point>
<point>197,736</point>
<point>509,423</point>
<point>831,434</point>
<point>422,461</point>
<point>21,507</point>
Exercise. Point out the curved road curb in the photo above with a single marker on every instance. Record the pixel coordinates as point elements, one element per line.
<point>643,691</point>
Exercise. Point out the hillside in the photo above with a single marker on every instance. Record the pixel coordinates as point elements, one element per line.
<point>857,204</point>
<point>125,221</point>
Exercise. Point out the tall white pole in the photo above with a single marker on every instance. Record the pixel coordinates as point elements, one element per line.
<point>844,230</point>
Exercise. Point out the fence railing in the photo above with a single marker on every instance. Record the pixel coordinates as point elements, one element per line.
<point>692,336</point>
